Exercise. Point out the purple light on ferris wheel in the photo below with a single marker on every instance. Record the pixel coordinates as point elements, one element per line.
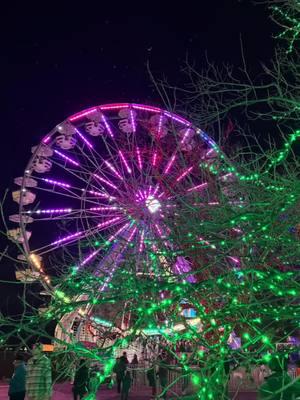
<point>50,211</point>
<point>113,170</point>
<point>112,237</point>
<point>125,162</point>
<point>104,208</point>
<point>58,183</point>
<point>105,181</point>
<point>67,158</point>
<point>108,223</point>
<point>132,120</point>
<point>89,257</point>
<point>139,158</point>
<point>170,163</point>
<point>84,139</point>
<point>185,173</point>
<point>107,126</point>
<point>99,194</point>
<point>202,186</point>
<point>66,238</point>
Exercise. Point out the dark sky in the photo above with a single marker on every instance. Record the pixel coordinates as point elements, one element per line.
<point>59,60</point>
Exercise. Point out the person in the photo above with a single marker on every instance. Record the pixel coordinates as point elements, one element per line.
<point>16,389</point>
<point>39,376</point>
<point>151,379</point>
<point>135,360</point>
<point>81,380</point>
<point>126,384</point>
<point>134,363</point>
<point>124,359</point>
<point>163,373</point>
<point>119,370</point>
<point>279,384</point>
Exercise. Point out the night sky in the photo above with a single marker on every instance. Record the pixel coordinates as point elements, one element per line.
<point>58,61</point>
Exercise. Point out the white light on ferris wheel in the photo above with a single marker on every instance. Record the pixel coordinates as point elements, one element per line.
<point>152,204</point>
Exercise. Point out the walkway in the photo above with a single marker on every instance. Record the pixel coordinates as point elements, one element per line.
<point>63,392</point>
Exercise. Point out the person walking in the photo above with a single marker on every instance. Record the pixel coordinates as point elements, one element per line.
<point>81,380</point>
<point>126,384</point>
<point>17,388</point>
<point>39,376</point>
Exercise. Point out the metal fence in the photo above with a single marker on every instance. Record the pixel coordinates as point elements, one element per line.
<point>240,380</point>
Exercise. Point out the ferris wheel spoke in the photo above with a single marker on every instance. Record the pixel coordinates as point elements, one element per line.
<point>74,237</point>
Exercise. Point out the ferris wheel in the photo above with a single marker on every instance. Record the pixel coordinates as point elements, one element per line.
<point>104,183</point>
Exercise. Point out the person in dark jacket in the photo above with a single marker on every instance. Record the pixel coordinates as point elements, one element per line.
<point>151,376</point>
<point>279,385</point>
<point>81,380</point>
<point>163,373</point>
<point>17,383</point>
<point>126,384</point>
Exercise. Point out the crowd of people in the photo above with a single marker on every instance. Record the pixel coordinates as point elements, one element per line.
<point>35,379</point>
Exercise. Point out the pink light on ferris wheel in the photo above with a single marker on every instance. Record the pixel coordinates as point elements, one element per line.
<point>236,260</point>
<point>139,158</point>
<point>89,257</point>
<point>185,136</point>
<point>113,169</point>
<point>70,160</point>
<point>112,237</point>
<point>125,162</point>
<point>154,158</point>
<point>82,114</point>
<point>185,173</point>
<point>146,108</point>
<point>131,236</point>
<point>116,106</point>
<point>169,165</point>
<point>132,120</point>
<point>155,189</point>
<point>176,118</point>
<point>84,139</point>
<point>46,139</point>
<point>198,187</point>
<point>160,121</point>
<point>159,231</point>
<point>58,183</point>
<point>141,245</point>
<point>105,181</point>
<point>107,126</point>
